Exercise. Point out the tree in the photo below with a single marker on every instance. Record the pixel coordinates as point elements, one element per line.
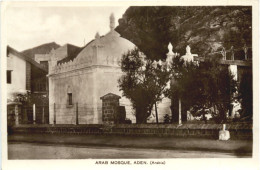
<point>204,87</point>
<point>220,86</point>
<point>143,82</point>
<point>185,85</point>
<point>246,95</point>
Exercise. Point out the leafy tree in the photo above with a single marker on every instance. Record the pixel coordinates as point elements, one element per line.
<point>143,82</point>
<point>203,87</point>
<point>184,80</point>
<point>246,95</point>
<point>220,88</point>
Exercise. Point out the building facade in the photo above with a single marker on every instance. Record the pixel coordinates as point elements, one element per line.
<point>26,85</point>
<point>78,77</point>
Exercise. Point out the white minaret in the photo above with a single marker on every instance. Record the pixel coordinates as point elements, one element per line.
<point>188,56</point>
<point>112,22</point>
<point>170,47</point>
<point>170,54</point>
<point>188,50</point>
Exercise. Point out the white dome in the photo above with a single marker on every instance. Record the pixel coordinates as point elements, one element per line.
<point>111,45</point>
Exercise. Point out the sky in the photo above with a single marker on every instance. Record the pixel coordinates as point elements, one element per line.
<point>28,27</point>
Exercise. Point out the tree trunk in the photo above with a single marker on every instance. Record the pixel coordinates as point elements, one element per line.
<point>141,116</point>
<point>204,117</point>
<point>175,111</point>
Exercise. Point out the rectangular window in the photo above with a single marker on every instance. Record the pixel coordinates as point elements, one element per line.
<point>70,98</point>
<point>9,76</point>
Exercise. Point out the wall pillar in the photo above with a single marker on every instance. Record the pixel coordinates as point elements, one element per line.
<point>180,112</point>
<point>34,114</point>
<point>233,70</point>
<point>51,99</point>
<point>16,114</point>
<point>110,104</point>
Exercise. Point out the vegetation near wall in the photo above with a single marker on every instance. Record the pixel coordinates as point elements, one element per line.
<point>200,87</point>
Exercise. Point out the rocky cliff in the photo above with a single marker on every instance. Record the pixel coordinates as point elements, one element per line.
<point>206,29</point>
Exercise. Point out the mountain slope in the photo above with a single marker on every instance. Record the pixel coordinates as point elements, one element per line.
<point>205,29</point>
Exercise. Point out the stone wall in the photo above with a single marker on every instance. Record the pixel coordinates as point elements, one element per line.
<point>237,131</point>
<point>14,114</point>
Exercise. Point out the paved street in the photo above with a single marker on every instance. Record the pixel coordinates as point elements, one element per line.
<point>55,146</point>
<point>43,151</point>
<point>242,147</point>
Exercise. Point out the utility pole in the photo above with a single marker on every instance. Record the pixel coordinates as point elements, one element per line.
<point>34,114</point>
<point>180,111</point>
<point>54,120</point>
<point>43,115</point>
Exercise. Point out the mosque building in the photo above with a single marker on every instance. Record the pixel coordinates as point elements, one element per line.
<point>79,77</point>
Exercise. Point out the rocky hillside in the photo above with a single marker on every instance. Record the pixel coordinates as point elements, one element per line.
<point>205,29</point>
<point>42,49</point>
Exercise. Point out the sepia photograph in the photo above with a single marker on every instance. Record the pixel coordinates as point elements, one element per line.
<point>121,85</point>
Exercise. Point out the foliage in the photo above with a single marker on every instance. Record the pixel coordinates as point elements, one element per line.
<point>246,95</point>
<point>203,87</point>
<point>24,98</point>
<point>29,98</point>
<point>143,82</point>
<point>20,97</point>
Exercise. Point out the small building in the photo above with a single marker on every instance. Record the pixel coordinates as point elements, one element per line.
<point>78,77</point>
<point>26,85</point>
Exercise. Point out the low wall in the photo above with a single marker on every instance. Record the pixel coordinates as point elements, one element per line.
<point>237,131</point>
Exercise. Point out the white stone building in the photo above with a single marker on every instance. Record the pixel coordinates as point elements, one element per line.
<point>80,76</point>
<point>20,73</point>
<point>25,78</point>
<point>83,75</point>
<point>16,74</point>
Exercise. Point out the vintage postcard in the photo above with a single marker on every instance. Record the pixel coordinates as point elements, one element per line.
<point>169,85</point>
